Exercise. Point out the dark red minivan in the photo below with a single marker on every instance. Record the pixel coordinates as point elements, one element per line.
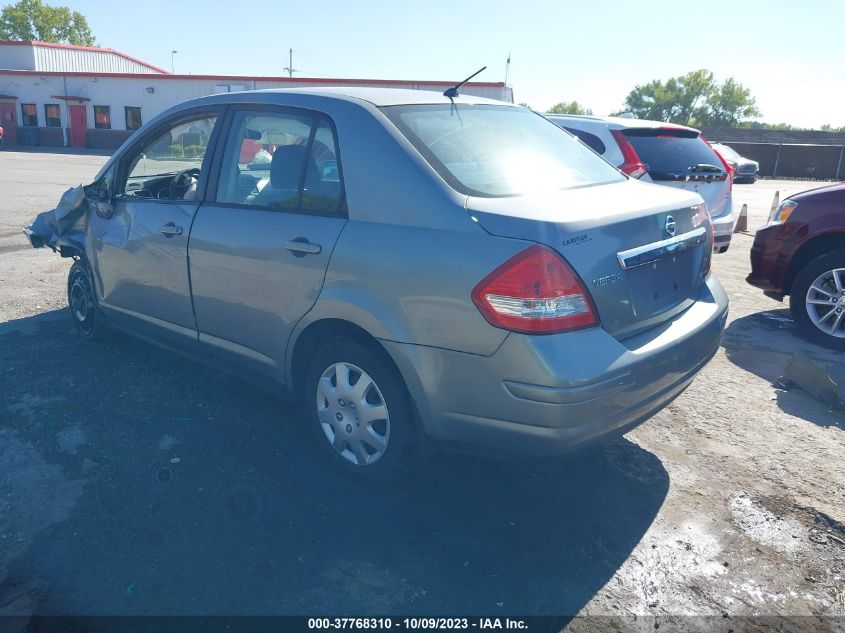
<point>801,253</point>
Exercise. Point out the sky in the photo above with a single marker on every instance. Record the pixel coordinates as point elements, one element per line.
<point>593,51</point>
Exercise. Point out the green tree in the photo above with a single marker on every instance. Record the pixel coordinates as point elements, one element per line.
<point>727,105</point>
<point>32,20</point>
<point>573,107</point>
<point>676,100</point>
<point>694,98</point>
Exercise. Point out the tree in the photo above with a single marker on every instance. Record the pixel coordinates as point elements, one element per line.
<point>573,107</point>
<point>728,104</point>
<point>32,20</point>
<point>694,98</point>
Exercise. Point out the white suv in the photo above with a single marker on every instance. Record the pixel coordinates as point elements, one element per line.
<point>666,154</point>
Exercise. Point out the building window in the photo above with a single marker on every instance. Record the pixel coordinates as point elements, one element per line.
<point>29,115</point>
<point>133,117</point>
<point>52,115</point>
<point>102,117</point>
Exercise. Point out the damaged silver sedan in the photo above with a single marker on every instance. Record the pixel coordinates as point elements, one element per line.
<point>416,266</point>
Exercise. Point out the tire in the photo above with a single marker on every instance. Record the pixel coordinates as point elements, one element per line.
<point>381,447</point>
<point>82,302</point>
<point>815,282</point>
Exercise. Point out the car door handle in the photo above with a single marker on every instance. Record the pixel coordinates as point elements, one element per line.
<point>302,245</point>
<point>170,229</point>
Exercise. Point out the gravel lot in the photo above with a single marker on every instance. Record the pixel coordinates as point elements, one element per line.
<point>134,481</point>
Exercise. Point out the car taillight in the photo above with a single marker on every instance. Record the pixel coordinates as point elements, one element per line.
<point>535,292</point>
<point>631,165</point>
<point>731,171</point>
<point>702,217</point>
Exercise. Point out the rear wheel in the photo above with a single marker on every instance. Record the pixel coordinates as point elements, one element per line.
<point>359,410</point>
<point>83,302</point>
<point>817,300</point>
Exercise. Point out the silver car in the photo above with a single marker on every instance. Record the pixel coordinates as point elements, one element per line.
<point>419,269</point>
<point>745,169</point>
<point>665,153</point>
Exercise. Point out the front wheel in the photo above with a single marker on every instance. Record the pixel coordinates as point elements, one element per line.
<point>83,302</point>
<point>817,300</point>
<point>359,410</point>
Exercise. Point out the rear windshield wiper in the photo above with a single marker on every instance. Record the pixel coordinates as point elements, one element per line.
<point>705,167</point>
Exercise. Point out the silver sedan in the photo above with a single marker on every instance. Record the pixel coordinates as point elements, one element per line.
<point>414,266</point>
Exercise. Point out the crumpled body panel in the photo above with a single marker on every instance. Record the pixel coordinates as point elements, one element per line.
<point>63,226</point>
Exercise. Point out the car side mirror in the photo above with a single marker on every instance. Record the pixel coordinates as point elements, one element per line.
<point>102,199</point>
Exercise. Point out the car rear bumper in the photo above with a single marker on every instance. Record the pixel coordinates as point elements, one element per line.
<point>723,227</point>
<point>551,394</point>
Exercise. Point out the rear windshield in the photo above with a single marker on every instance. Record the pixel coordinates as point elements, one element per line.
<point>667,154</point>
<point>493,151</point>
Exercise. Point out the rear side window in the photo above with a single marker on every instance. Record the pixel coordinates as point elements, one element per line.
<point>667,154</point>
<point>497,151</point>
<point>590,140</point>
<point>283,161</point>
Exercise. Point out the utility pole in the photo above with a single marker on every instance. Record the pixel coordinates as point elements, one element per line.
<point>289,69</point>
<point>507,68</point>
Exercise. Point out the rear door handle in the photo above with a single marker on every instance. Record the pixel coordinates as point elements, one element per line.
<point>170,229</point>
<point>302,245</point>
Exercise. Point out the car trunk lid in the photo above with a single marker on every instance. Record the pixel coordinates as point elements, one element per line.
<point>639,249</point>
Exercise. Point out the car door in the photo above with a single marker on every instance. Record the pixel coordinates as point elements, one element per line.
<point>140,239</point>
<point>260,247</point>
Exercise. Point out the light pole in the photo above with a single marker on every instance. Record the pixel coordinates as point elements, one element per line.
<point>172,66</point>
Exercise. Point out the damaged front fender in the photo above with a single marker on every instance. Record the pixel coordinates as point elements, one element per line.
<point>64,226</point>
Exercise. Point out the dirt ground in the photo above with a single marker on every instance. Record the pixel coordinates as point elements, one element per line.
<point>133,481</point>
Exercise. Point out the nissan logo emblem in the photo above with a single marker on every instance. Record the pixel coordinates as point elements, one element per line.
<point>670,225</point>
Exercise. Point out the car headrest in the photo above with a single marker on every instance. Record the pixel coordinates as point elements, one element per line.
<point>286,166</point>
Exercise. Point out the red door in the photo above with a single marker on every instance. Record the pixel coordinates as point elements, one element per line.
<point>78,126</point>
<point>9,123</point>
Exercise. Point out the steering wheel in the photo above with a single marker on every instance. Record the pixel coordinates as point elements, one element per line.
<point>183,180</point>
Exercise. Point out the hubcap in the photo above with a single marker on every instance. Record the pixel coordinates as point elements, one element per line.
<point>826,302</point>
<point>353,414</point>
<point>81,303</point>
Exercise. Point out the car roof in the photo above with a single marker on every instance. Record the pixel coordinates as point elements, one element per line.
<point>375,96</point>
<point>620,122</point>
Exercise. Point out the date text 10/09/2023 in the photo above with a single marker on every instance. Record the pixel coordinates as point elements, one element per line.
<point>418,623</point>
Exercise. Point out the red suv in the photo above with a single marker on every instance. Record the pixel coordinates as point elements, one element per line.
<point>801,253</point>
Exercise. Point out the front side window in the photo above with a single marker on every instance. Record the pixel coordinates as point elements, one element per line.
<point>52,115</point>
<point>169,165</point>
<point>29,115</point>
<point>281,161</point>
<point>494,151</point>
<point>102,117</point>
<point>133,118</point>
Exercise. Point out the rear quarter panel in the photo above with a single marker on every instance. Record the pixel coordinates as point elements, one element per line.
<point>413,284</point>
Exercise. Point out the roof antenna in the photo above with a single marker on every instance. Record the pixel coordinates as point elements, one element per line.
<point>453,91</point>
